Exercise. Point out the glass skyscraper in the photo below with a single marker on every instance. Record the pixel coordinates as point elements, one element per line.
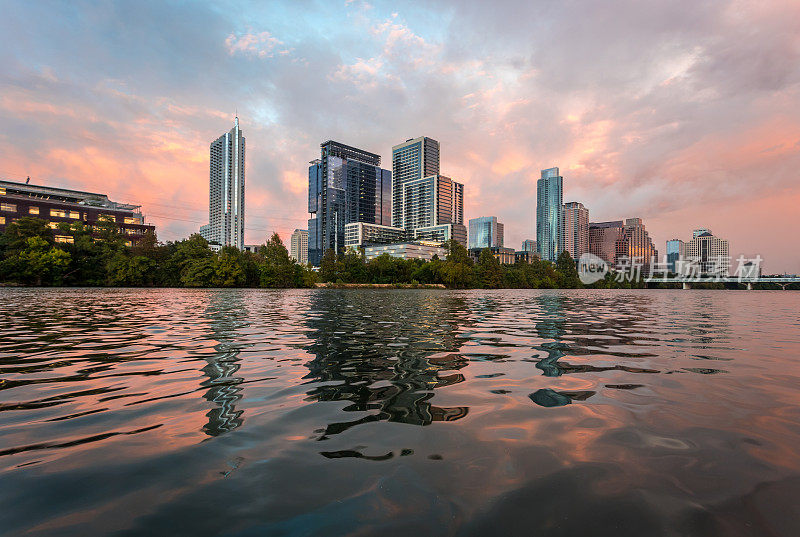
<point>345,185</point>
<point>485,232</point>
<point>676,249</point>
<point>226,190</point>
<point>550,214</point>
<point>413,159</point>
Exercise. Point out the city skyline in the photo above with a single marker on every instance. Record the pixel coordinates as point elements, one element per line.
<point>705,135</point>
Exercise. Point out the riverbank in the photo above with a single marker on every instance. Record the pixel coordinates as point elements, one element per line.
<point>331,285</point>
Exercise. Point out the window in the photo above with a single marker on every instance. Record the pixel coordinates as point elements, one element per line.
<point>53,225</point>
<point>33,210</point>
<point>2,191</point>
<point>131,220</point>
<point>106,218</point>
<point>2,220</point>
<point>64,238</point>
<point>8,207</point>
<point>58,212</point>
<point>75,215</point>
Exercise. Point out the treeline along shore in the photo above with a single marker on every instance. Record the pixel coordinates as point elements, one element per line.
<point>29,255</point>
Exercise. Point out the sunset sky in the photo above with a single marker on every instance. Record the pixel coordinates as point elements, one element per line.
<point>686,114</point>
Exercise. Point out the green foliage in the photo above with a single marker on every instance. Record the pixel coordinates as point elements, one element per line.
<point>95,257</point>
<point>488,272</point>
<point>567,271</point>
<point>38,263</point>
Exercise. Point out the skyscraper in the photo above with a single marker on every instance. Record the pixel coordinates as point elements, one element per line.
<point>345,185</point>
<point>576,229</point>
<point>550,214</point>
<point>226,192</point>
<point>413,159</point>
<point>529,245</point>
<point>485,232</point>
<point>676,249</point>
<point>611,241</point>
<point>299,246</point>
<point>709,251</point>
<point>433,209</point>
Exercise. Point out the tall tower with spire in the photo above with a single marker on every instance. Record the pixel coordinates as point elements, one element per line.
<point>226,190</point>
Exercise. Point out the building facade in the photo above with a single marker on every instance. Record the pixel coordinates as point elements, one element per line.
<point>550,214</point>
<point>576,229</point>
<point>345,185</point>
<point>615,240</point>
<point>298,246</point>
<point>413,159</point>
<point>506,256</point>
<point>405,250</point>
<point>529,245</point>
<point>676,249</point>
<point>63,206</point>
<point>433,207</point>
<point>226,190</point>
<point>710,252</point>
<point>358,234</point>
<point>485,232</point>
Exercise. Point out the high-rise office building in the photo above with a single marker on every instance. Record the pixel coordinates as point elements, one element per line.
<point>226,190</point>
<point>676,249</point>
<point>298,249</point>
<point>433,209</point>
<point>710,252</point>
<point>529,245</point>
<point>485,232</point>
<point>413,159</point>
<point>550,214</point>
<point>345,185</point>
<point>611,241</point>
<point>576,229</point>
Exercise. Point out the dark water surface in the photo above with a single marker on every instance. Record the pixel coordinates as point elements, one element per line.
<point>380,412</point>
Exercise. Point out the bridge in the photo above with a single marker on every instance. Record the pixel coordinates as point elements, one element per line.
<point>783,281</point>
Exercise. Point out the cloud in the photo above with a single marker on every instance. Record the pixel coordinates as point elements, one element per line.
<point>261,44</point>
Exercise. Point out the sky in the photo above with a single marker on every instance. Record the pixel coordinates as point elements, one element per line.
<point>683,113</point>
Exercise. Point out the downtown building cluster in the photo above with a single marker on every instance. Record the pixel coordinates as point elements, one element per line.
<point>411,210</point>
<point>355,204</point>
<point>565,227</point>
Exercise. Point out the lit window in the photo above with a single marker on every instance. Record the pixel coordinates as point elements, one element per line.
<point>64,238</point>
<point>53,225</point>
<point>131,220</point>
<point>2,191</point>
<point>8,207</point>
<point>2,220</point>
<point>33,210</point>
<point>58,212</point>
<point>75,215</point>
<point>106,218</point>
<point>128,243</point>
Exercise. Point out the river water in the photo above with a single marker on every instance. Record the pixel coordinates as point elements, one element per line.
<point>399,412</point>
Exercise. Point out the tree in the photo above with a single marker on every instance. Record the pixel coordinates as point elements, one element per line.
<point>228,271</point>
<point>130,271</point>
<point>327,268</point>
<point>17,233</point>
<point>489,272</point>
<point>567,272</point>
<point>457,269</point>
<point>40,262</point>
<point>278,268</point>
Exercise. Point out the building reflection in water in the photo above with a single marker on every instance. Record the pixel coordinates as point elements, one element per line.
<point>569,335</point>
<point>226,314</point>
<point>388,361</point>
